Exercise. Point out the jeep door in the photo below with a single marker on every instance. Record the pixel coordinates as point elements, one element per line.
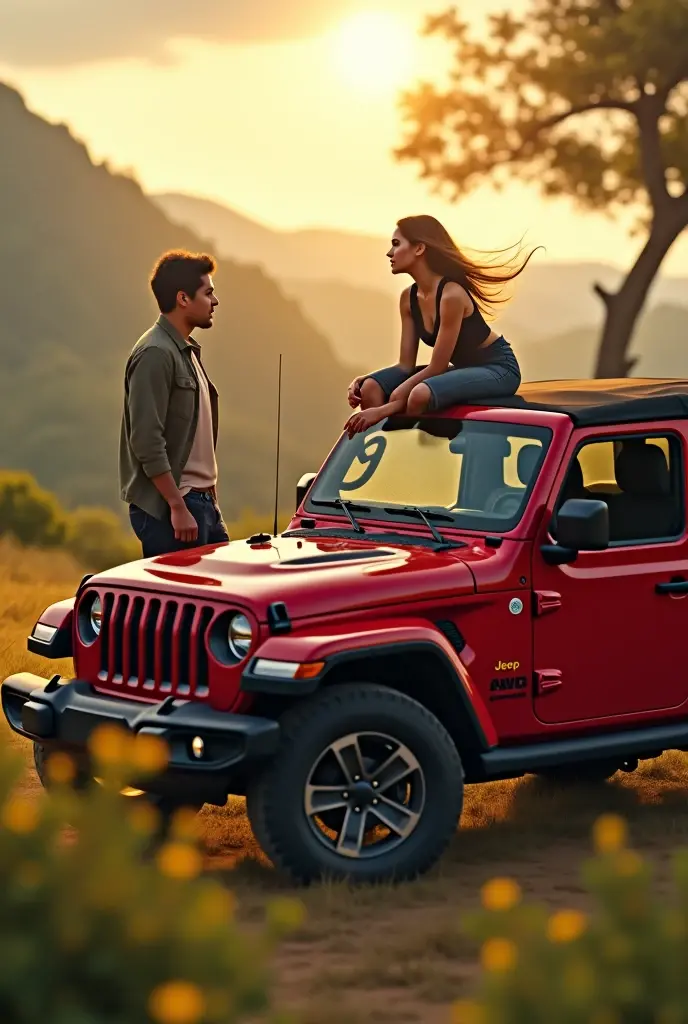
<point>608,633</point>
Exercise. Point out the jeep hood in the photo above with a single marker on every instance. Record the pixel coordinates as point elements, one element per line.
<point>313,577</point>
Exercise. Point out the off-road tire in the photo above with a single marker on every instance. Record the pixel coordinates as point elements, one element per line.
<point>275,799</point>
<point>165,806</point>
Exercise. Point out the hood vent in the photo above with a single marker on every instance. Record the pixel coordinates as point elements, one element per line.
<point>327,558</point>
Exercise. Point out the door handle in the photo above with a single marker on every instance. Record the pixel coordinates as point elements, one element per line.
<point>672,587</point>
<point>548,679</point>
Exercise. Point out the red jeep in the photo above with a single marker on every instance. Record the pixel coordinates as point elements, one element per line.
<point>470,596</point>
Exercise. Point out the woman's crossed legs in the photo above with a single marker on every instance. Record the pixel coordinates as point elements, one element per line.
<point>454,387</point>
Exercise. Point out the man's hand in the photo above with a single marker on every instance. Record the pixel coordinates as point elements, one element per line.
<point>362,420</point>
<point>183,523</point>
<point>354,394</point>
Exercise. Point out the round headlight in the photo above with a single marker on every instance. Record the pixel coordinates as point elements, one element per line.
<point>240,636</point>
<point>96,615</point>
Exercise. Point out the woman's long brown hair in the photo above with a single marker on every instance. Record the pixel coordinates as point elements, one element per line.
<point>483,280</point>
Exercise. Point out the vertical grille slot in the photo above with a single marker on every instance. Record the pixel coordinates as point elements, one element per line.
<point>134,677</point>
<point>166,637</point>
<point>117,638</point>
<point>108,601</point>
<point>147,645</point>
<point>184,649</point>
<point>205,619</point>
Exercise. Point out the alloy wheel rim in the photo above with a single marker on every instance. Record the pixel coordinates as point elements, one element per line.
<point>364,795</point>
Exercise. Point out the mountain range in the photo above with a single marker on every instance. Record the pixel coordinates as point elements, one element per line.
<point>76,249</point>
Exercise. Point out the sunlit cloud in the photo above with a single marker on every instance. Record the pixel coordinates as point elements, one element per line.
<point>51,33</point>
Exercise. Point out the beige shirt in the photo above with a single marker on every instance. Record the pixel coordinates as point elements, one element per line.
<point>200,470</point>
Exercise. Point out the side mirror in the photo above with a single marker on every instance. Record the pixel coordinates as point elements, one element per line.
<point>303,486</point>
<point>582,525</point>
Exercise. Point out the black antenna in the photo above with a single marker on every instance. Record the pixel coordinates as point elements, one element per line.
<point>277,460</point>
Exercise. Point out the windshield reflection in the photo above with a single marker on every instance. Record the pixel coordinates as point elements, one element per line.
<point>477,474</point>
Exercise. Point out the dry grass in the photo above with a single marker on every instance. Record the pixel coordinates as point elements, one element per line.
<point>383,953</point>
<point>29,582</point>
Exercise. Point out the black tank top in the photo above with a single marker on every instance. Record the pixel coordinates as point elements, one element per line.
<point>473,332</point>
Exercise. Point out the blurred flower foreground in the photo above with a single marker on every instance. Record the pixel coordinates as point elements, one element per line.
<point>622,962</point>
<point>93,929</point>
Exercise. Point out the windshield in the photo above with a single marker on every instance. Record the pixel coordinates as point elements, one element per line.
<point>476,474</point>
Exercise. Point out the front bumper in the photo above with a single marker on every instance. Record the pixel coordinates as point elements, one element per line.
<point>64,714</point>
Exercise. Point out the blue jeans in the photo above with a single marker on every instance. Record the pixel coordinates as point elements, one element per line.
<point>157,535</point>
<point>495,375</point>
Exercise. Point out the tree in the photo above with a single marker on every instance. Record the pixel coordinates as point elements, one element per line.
<point>586,98</point>
<point>97,540</point>
<point>28,513</point>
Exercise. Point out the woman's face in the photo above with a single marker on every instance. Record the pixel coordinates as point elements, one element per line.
<point>403,254</point>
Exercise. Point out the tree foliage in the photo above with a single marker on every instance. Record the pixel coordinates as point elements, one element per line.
<point>515,102</point>
<point>28,513</point>
<point>97,540</point>
<point>588,99</point>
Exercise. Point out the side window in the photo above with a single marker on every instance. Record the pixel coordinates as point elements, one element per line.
<point>640,479</point>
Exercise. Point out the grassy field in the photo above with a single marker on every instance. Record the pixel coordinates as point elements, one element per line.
<point>393,954</point>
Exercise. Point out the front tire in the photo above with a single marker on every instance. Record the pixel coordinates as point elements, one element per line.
<point>366,785</point>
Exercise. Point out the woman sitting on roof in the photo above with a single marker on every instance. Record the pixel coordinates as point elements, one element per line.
<point>444,309</point>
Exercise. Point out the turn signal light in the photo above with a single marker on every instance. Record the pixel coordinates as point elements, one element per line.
<point>309,669</point>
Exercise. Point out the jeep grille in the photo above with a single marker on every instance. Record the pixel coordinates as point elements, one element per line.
<point>154,644</point>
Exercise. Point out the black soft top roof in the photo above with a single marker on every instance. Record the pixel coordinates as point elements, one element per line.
<point>604,402</point>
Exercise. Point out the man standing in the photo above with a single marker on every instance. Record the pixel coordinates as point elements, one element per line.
<point>167,467</point>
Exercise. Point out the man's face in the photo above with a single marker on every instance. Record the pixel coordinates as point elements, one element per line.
<point>199,309</point>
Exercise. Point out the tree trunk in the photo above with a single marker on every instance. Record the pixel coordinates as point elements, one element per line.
<point>624,306</point>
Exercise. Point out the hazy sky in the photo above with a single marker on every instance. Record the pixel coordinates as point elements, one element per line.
<point>284,109</point>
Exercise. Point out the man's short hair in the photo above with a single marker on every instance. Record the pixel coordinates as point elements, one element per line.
<point>179,271</point>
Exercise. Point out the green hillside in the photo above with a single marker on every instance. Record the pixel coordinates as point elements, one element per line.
<point>76,247</point>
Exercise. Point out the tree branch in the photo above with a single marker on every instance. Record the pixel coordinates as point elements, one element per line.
<point>583,108</point>
<point>546,123</point>
<point>648,112</point>
<point>605,296</point>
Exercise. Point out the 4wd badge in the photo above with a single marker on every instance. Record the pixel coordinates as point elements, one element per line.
<point>515,605</point>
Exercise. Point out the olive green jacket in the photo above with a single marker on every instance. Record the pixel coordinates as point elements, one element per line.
<point>160,414</point>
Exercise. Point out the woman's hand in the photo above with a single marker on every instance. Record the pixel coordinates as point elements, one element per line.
<point>354,394</point>
<point>360,421</point>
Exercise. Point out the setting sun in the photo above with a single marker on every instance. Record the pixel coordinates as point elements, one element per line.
<point>374,51</point>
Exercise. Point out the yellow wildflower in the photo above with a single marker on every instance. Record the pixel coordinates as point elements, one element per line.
<point>500,894</point>
<point>566,926</point>
<point>498,955</point>
<point>177,1002</point>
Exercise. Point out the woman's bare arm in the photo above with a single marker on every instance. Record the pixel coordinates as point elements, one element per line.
<point>408,349</point>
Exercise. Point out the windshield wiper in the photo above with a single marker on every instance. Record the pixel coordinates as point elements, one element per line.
<point>413,510</point>
<point>440,517</point>
<point>349,507</point>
